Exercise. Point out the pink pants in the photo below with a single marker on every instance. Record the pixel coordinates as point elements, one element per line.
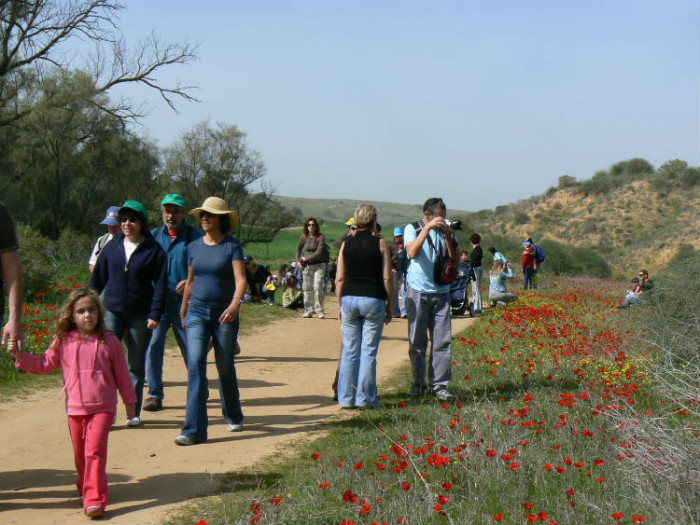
<point>89,435</point>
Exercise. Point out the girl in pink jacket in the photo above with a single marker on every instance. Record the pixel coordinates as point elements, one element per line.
<point>94,368</point>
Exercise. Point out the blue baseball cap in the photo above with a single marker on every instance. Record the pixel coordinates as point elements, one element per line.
<point>398,231</point>
<point>111,218</point>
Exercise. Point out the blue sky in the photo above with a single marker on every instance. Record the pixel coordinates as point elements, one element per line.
<point>482,103</point>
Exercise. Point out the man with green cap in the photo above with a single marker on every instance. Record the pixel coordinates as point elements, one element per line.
<point>174,236</point>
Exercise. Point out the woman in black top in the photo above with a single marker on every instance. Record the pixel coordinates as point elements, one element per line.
<point>364,290</point>
<point>475,260</point>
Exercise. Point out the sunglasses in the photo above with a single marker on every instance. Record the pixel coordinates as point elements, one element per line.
<point>132,220</point>
<point>207,214</point>
<point>312,224</point>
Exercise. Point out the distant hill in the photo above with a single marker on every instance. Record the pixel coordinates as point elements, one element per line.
<point>633,215</point>
<point>390,213</point>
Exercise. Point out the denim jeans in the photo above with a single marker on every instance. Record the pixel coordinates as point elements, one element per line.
<point>528,274</point>
<point>429,314</point>
<point>363,323</point>
<point>154,356</point>
<point>399,292</point>
<point>133,328</point>
<point>203,326</point>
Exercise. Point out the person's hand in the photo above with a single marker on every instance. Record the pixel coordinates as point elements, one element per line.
<point>152,324</point>
<point>13,349</point>
<point>180,287</point>
<point>130,411</point>
<point>437,221</point>
<point>231,313</point>
<point>13,332</point>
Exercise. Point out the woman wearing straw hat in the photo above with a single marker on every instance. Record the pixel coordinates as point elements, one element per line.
<point>211,302</point>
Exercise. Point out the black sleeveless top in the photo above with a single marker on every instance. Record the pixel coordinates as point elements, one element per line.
<point>363,266</point>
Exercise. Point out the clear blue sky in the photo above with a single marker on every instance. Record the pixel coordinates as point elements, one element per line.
<point>480,102</point>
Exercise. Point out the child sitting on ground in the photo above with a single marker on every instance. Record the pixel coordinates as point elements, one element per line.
<point>292,297</point>
<point>94,367</point>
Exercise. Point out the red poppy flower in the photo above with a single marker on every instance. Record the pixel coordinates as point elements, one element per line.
<point>617,516</point>
<point>443,499</point>
<point>528,506</point>
<point>406,485</point>
<point>358,466</point>
<point>498,517</point>
<point>315,456</point>
<point>276,500</point>
<point>324,485</point>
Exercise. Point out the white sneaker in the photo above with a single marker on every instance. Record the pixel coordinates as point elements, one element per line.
<point>133,422</point>
<point>234,427</point>
<point>321,315</point>
<point>308,315</point>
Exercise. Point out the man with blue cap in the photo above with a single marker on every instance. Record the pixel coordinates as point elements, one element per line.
<point>111,220</point>
<point>398,271</point>
<point>174,237</point>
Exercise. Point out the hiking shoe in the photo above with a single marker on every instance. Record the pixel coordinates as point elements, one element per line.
<point>153,404</point>
<point>234,427</point>
<point>184,440</point>
<point>416,391</point>
<point>443,394</point>
<point>321,315</point>
<point>133,422</point>
<point>308,315</point>
<point>94,511</point>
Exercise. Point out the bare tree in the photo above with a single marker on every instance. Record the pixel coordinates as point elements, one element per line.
<point>33,38</point>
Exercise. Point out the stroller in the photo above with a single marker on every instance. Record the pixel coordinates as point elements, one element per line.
<point>459,298</point>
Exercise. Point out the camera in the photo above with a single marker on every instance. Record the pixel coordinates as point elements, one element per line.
<point>455,224</point>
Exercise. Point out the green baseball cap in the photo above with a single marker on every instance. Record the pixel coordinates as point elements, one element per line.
<point>173,198</point>
<point>134,206</point>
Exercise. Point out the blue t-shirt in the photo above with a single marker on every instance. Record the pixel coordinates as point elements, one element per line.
<point>214,282</point>
<point>421,269</point>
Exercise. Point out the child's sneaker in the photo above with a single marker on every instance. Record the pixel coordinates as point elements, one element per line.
<point>94,511</point>
<point>133,422</point>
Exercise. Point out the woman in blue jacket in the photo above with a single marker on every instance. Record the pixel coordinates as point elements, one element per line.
<point>132,272</point>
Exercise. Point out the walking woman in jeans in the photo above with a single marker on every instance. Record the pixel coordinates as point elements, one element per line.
<point>312,257</point>
<point>132,272</point>
<point>216,283</point>
<point>365,298</point>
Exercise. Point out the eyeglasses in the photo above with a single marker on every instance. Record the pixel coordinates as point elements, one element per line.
<point>132,220</point>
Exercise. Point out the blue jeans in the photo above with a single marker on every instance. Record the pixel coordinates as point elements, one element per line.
<point>133,327</point>
<point>399,291</point>
<point>154,356</point>
<point>203,326</point>
<point>363,323</point>
<point>528,274</point>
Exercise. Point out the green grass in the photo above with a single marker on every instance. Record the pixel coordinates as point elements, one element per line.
<point>549,395</point>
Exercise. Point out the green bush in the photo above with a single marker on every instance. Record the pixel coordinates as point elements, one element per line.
<point>73,247</point>
<point>37,257</point>
<point>557,258</point>
<point>588,262</point>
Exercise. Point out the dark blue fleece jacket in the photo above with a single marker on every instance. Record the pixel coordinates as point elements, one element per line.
<point>137,287</point>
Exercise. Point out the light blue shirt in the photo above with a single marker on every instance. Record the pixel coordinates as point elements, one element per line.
<point>498,256</point>
<point>497,283</point>
<point>421,269</point>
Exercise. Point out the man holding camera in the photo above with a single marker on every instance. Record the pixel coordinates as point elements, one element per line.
<point>427,301</point>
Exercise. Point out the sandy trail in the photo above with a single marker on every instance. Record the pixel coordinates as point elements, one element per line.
<point>285,373</point>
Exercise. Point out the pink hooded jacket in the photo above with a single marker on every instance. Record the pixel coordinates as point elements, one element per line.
<point>93,370</point>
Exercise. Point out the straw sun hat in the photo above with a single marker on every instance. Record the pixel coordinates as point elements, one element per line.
<point>217,206</point>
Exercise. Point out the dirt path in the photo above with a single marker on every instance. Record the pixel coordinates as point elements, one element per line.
<point>285,372</point>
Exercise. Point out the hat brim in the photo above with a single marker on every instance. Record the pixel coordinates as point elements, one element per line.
<point>233,216</point>
<point>110,222</point>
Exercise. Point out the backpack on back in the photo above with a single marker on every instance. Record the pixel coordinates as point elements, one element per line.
<point>539,254</point>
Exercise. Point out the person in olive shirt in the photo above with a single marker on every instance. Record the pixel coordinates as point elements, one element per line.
<point>475,260</point>
<point>10,273</point>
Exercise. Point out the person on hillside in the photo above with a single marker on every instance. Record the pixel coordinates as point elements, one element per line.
<point>312,256</point>
<point>644,281</point>
<point>634,295</point>
<point>173,236</point>
<point>399,262</point>
<point>536,263</point>
<point>111,220</point>
<point>498,291</point>
<point>94,368</point>
<point>10,281</point>
<point>291,295</point>
<point>475,258</point>
<point>428,302</point>
<point>365,299</point>
<point>528,264</point>
<point>211,304</point>
<point>498,256</point>
<point>132,272</point>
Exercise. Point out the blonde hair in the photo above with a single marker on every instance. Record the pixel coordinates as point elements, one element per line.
<point>365,215</point>
<point>64,322</point>
<point>496,267</point>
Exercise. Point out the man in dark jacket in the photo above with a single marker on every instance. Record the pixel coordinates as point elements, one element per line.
<point>173,236</point>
